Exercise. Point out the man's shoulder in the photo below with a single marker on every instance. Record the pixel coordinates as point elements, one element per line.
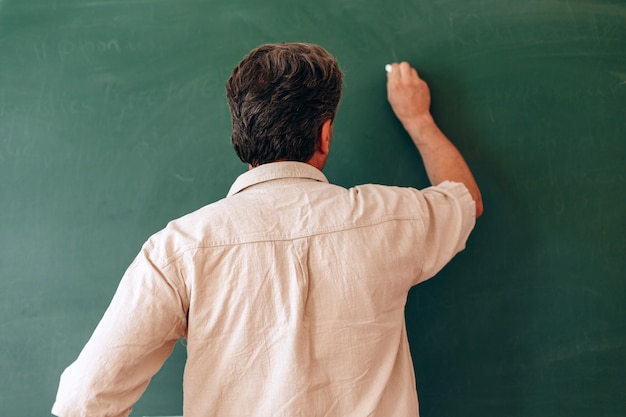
<point>411,200</point>
<point>188,231</point>
<point>379,193</point>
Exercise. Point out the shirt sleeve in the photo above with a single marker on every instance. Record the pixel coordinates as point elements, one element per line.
<point>450,216</point>
<point>130,344</point>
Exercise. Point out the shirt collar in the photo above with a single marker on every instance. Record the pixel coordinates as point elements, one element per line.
<point>276,170</point>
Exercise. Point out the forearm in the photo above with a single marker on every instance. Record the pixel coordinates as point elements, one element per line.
<point>442,160</point>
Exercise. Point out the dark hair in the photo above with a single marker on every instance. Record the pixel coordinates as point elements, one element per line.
<point>279,96</point>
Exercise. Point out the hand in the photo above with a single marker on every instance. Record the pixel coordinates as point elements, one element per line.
<point>408,95</point>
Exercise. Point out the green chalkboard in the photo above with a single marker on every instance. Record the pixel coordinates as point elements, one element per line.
<point>113,121</point>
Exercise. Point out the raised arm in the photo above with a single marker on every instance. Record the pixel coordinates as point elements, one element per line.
<point>409,97</point>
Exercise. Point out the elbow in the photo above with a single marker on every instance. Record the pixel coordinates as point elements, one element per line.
<point>479,211</point>
<point>479,207</point>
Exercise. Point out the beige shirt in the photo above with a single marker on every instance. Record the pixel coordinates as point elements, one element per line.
<point>290,293</point>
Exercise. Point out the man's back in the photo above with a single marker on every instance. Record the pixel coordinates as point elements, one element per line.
<point>297,290</point>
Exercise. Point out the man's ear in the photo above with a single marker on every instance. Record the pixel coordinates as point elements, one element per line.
<point>326,137</point>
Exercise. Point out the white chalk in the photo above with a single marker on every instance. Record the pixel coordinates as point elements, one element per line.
<point>388,67</point>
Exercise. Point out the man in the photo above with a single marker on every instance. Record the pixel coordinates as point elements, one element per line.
<point>290,291</point>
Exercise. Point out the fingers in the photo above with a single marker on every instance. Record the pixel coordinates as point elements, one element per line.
<point>406,71</point>
<point>401,70</point>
